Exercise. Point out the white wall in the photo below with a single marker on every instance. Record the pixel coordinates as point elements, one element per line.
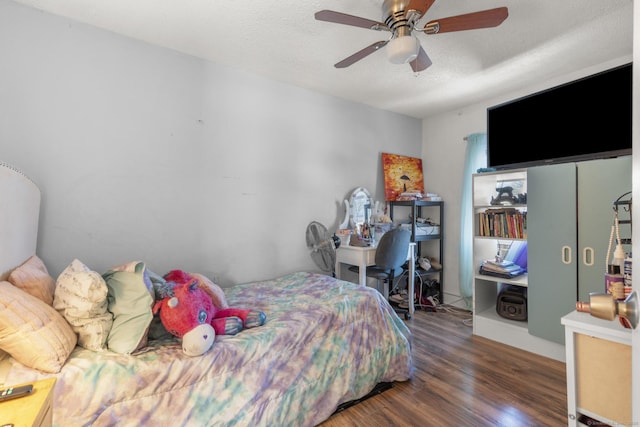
<point>142,153</point>
<point>443,151</point>
<point>145,153</point>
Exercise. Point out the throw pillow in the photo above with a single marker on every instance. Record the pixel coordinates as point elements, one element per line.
<point>130,299</point>
<point>32,332</point>
<point>33,278</point>
<point>81,297</point>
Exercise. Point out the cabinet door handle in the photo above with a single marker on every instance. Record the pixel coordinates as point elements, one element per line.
<point>587,256</point>
<point>566,254</point>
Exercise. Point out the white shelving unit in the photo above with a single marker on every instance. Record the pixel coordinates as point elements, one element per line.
<point>486,321</point>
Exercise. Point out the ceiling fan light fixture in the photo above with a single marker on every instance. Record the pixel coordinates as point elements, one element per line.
<point>402,50</point>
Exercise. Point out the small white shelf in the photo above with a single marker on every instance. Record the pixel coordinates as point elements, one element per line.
<point>521,280</point>
<point>515,205</point>
<point>584,323</point>
<point>491,315</point>
<point>499,238</point>
<point>597,352</point>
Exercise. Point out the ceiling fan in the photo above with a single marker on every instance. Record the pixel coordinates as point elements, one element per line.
<point>400,18</point>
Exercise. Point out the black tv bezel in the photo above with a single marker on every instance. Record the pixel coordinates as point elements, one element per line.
<point>592,155</point>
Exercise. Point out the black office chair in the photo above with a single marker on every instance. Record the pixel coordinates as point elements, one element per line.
<point>391,255</point>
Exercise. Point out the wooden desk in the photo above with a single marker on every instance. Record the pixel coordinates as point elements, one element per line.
<point>34,410</point>
<point>364,256</point>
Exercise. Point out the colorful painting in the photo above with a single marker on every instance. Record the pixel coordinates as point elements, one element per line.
<point>402,174</point>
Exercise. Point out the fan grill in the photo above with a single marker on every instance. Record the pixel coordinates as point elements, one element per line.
<point>323,249</point>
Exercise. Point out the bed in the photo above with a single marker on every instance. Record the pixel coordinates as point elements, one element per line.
<point>326,342</point>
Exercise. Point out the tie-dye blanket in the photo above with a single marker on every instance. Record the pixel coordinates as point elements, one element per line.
<point>325,342</point>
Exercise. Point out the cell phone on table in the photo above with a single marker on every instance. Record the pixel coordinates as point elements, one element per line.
<point>15,392</point>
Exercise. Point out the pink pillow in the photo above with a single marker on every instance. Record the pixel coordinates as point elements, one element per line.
<point>33,278</point>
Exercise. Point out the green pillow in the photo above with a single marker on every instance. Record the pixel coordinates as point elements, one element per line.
<point>130,299</point>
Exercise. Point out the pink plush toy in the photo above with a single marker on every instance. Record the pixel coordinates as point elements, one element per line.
<point>194,309</point>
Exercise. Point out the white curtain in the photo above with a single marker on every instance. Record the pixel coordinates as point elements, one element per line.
<point>475,158</point>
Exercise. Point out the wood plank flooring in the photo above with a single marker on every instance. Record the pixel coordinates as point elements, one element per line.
<point>464,380</point>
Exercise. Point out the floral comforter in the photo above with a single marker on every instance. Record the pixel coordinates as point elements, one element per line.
<point>325,342</point>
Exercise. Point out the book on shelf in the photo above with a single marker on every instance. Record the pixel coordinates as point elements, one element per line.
<point>509,275</point>
<point>503,222</point>
<point>509,269</point>
<point>412,193</point>
<point>501,268</point>
<point>503,263</point>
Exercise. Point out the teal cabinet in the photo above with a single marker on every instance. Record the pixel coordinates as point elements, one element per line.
<point>570,214</point>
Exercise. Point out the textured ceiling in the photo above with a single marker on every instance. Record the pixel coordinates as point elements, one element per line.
<point>280,39</point>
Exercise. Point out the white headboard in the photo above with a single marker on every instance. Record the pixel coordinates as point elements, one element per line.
<point>20,201</point>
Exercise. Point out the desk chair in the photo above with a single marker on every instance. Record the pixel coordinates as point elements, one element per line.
<point>391,255</point>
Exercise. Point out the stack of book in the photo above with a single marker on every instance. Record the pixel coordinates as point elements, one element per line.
<point>417,195</point>
<point>501,268</point>
<point>410,195</point>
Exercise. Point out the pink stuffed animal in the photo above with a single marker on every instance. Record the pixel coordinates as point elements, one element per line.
<point>194,309</point>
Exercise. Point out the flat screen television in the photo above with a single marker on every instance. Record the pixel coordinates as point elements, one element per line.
<point>589,118</point>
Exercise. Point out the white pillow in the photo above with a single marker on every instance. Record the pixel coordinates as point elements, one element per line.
<point>81,297</point>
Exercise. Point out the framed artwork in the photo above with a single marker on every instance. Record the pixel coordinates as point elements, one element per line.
<point>401,174</point>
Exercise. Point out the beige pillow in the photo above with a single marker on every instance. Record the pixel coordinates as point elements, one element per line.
<point>81,297</point>
<point>33,278</point>
<point>32,332</point>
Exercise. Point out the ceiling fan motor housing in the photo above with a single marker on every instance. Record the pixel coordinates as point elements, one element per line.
<point>394,16</point>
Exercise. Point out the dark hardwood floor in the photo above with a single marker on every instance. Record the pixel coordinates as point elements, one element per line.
<point>465,380</point>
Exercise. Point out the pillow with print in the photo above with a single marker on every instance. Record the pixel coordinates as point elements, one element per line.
<point>81,297</point>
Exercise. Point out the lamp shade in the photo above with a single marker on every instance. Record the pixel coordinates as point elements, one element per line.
<point>403,49</point>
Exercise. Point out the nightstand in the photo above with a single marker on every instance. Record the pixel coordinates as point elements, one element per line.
<point>30,411</point>
<point>598,370</point>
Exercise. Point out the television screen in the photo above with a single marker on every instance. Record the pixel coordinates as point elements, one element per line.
<point>585,119</point>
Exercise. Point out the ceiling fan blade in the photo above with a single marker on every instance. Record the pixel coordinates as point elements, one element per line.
<point>343,18</point>
<point>422,62</point>
<point>361,54</point>
<point>469,21</point>
<point>419,5</point>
